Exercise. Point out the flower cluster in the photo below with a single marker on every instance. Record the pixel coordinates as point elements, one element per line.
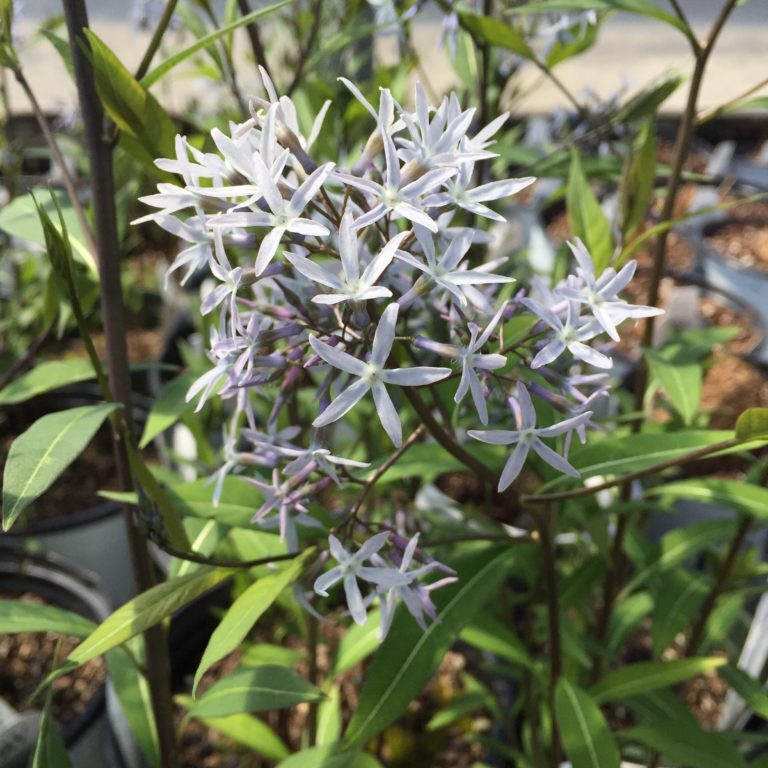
<point>357,284</point>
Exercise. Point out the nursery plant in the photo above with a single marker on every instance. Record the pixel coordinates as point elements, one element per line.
<point>423,448</point>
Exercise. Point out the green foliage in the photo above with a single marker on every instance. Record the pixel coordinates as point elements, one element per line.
<point>135,111</point>
<point>649,676</point>
<point>169,406</point>
<point>44,451</point>
<point>687,744</point>
<point>586,217</point>
<point>409,656</point>
<point>586,737</point>
<point>680,378</point>
<point>254,690</point>
<point>245,612</point>
<point>146,610</point>
<point>752,424</point>
<point>24,616</point>
<point>45,377</point>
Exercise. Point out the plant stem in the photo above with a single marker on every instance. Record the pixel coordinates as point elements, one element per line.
<point>103,192</point>
<point>312,639</point>
<point>301,63</point>
<point>546,526</point>
<point>723,574</point>
<point>253,35</point>
<point>682,146</point>
<point>157,38</point>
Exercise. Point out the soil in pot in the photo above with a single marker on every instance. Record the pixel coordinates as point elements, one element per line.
<point>27,657</point>
<point>731,385</point>
<point>743,237</point>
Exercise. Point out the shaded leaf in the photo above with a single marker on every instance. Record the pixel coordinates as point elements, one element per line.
<point>586,737</point>
<point>169,406</point>
<point>259,689</point>
<point>649,676</point>
<point>145,611</point>
<point>23,616</point>
<point>46,376</point>
<point>245,612</point>
<point>408,657</point>
<point>39,455</point>
<point>687,744</point>
<point>731,494</point>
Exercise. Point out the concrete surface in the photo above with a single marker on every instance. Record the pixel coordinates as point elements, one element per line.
<point>631,51</point>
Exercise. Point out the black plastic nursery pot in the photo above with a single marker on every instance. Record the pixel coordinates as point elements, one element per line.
<point>59,583</point>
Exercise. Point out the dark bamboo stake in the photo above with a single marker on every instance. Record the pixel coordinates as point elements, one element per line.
<point>255,38</point>
<point>102,186</point>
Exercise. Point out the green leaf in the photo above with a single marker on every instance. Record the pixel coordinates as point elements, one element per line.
<point>629,453</point>
<point>686,744</point>
<point>638,180</point>
<point>145,611</point>
<point>731,494</point>
<point>169,407</point>
<point>39,455</point>
<point>22,616</point>
<point>626,618</point>
<point>408,657</point>
<point>134,110</point>
<point>488,634</point>
<point>259,689</point>
<point>456,708</point>
<point>19,218</point>
<point>162,69</point>
<point>681,381</point>
<point>134,696</point>
<point>358,643</point>
<point>329,717</point>
<point>495,32</point>
<point>50,751</point>
<point>758,102</point>
<point>645,104</point>
<point>649,676</point>
<point>679,596</point>
<point>575,41</point>
<point>747,688</point>
<point>245,612</point>
<point>587,740</point>
<point>752,424</point>
<point>245,729</point>
<point>640,7</point>
<point>586,217</point>
<point>45,377</point>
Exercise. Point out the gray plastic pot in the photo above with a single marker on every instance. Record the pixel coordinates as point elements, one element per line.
<point>65,585</point>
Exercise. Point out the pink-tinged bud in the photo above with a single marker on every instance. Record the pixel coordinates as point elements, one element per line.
<point>323,484</point>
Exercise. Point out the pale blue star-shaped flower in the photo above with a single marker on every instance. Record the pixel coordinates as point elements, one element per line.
<point>528,436</point>
<point>373,376</point>
<point>350,568</point>
<point>349,285</point>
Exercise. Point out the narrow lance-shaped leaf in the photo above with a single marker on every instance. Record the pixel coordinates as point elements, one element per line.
<point>409,656</point>
<point>586,737</point>
<point>650,676</point>
<point>39,455</point>
<point>255,690</point>
<point>162,69</point>
<point>23,616</point>
<point>145,611</point>
<point>681,380</point>
<point>245,612</point>
<point>169,406</point>
<point>731,494</point>
<point>586,217</point>
<point>49,375</point>
<point>687,744</point>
